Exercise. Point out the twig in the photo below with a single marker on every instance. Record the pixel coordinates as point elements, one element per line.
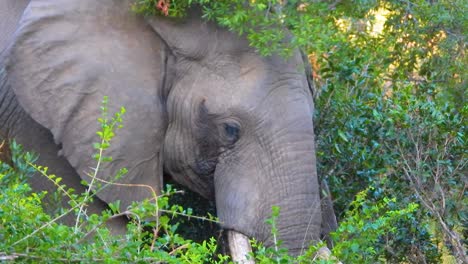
<point>179,248</point>
<point>88,190</point>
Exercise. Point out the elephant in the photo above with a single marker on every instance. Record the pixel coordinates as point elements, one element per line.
<point>202,107</point>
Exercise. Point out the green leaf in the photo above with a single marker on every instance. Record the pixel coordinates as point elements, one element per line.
<point>342,136</point>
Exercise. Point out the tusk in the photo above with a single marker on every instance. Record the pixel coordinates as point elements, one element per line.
<point>239,247</point>
<point>324,253</point>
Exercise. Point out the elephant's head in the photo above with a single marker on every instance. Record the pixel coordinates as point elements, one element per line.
<point>240,130</point>
<point>202,105</point>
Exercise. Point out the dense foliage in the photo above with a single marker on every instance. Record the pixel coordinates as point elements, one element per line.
<point>391,114</point>
<point>28,234</point>
<point>390,90</point>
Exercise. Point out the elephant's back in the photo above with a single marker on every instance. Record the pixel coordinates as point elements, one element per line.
<point>10,13</point>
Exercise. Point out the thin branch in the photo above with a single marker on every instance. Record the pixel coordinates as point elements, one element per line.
<point>88,190</point>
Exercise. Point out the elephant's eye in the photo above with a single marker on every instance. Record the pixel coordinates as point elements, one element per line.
<point>231,132</point>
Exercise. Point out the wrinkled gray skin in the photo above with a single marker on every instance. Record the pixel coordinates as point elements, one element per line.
<point>10,14</point>
<point>201,104</point>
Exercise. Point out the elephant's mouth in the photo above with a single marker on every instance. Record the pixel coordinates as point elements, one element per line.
<point>239,247</point>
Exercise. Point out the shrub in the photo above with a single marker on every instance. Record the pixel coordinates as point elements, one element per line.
<point>30,235</point>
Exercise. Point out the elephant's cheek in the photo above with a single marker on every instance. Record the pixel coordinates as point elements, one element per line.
<point>177,160</point>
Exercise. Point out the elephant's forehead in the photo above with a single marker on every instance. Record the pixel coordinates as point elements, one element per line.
<point>237,84</point>
<point>243,92</point>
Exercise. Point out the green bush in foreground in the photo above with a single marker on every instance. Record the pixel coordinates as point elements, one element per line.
<point>29,235</point>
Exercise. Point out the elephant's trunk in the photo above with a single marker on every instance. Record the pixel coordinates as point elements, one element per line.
<point>294,187</point>
<point>279,171</point>
<point>299,221</point>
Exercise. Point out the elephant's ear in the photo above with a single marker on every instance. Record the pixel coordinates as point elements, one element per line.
<point>67,56</point>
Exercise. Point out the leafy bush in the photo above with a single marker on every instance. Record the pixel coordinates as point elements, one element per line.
<point>365,224</point>
<point>270,26</point>
<point>30,235</point>
<point>386,117</point>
